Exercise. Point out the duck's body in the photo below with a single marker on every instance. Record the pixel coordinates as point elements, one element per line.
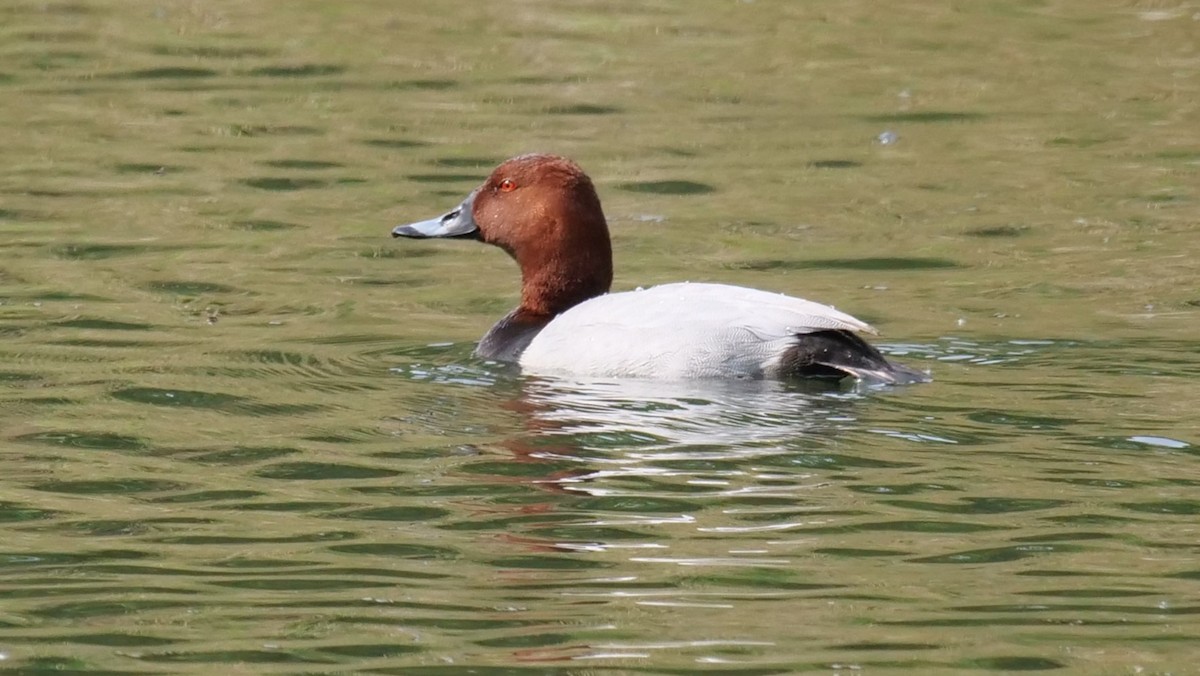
<point>543,210</point>
<point>689,330</point>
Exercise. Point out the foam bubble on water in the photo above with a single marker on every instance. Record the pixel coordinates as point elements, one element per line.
<point>1161,442</point>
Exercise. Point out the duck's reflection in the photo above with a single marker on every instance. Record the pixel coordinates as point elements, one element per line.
<point>657,441</point>
<point>595,426</point>
<point>681,419</point>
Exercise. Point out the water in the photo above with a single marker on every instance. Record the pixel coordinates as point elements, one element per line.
<point>243,432</point>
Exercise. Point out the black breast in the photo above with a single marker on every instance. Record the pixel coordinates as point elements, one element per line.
<point>509,337</point>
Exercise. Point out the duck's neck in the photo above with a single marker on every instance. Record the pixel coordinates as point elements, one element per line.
<point>572,263</point>
<point>549,288</point>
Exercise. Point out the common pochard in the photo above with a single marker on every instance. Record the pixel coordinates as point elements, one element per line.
<point>543,210</point>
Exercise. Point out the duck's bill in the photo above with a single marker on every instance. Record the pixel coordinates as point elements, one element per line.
<point>456,223</point>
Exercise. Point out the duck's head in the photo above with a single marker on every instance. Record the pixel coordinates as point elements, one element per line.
<point>543,210</point>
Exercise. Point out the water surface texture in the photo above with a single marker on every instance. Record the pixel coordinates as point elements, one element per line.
<point>243,433</point>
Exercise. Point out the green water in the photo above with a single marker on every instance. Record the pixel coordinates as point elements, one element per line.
<point>243,432</point>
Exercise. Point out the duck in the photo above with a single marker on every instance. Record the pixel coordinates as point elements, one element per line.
<point>543,210</point>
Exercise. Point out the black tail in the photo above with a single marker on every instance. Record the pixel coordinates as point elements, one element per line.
<point>836,354</point>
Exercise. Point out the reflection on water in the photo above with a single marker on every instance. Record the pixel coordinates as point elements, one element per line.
<point>703,438</point>
<point>725,418</point>
<point>489,519</point>
<point>727,498</point>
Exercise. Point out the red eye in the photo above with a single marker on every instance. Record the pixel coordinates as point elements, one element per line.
<point>507,185</point>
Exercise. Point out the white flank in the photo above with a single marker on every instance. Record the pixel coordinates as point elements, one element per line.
<point>679,331</point>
